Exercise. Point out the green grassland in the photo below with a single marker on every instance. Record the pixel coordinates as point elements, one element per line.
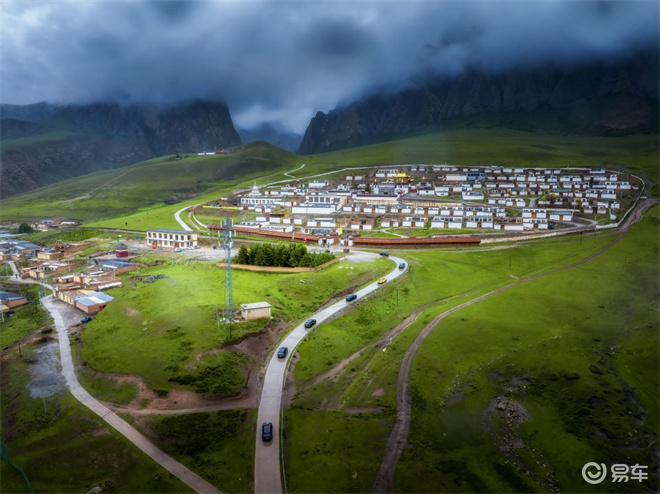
<point>499,146</point>
<point>218,446</point>
<point>131,197</point>
<point>577,349</point>
<point>335,451</point>
<point>435,276</point>
<point>155,329</point>
<point>145,185</point>
<point>66,448</point>
<point>52,135</point>
<point>26,318</point>
<point>509,329</point>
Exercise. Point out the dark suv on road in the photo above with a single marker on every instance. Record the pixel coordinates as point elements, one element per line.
<point>385,254</point>
<point>267,431</point>
<point>351,297</point>
<point>309,323</point>
<point>281,353</point>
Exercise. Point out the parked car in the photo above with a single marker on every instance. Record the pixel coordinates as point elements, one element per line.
<point>402,265</point>
<point>267,431</point>
<point>351,297</point>
<point>309,323</point>
<point>385,254</point>
<point>86,319</point>
<point>382,280</point>
<point>178,249</point>
<point>281,353</point>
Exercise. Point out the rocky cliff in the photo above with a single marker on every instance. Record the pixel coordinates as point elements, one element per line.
<point>198,126</point>
<point>600,98</point>
<point>76,140</point>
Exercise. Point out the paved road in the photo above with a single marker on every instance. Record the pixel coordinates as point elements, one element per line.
<point>188,477</point>
<point>288,174</point>
<point>177,217</point>
<point>267,478</point>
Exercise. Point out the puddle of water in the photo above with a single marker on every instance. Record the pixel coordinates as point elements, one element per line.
<point>47,379</point>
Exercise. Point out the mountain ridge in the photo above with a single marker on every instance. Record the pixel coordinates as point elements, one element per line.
<point>78,139</point>
<point>549,98</point>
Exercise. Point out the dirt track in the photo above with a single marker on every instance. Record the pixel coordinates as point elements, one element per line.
<point>385,478</point>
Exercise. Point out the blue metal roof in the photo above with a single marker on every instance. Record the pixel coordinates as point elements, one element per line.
<point>94,299</point>
<point>10,296</point>
<point>116,264</point>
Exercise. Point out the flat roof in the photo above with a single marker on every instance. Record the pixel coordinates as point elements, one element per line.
<point>256,305</point>
<point>165,230</point>
<point>10,296</point>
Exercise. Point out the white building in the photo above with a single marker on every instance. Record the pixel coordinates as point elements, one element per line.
<point>172,238</point>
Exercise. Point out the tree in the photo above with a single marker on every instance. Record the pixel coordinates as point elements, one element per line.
<point>25,228</point>
<point>268,255</point>
<point>243,255</point>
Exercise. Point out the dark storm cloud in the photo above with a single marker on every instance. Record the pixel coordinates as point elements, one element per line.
<point>282,61</point>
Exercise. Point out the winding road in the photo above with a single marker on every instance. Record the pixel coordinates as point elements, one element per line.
<point>187,476</point>
<point>177,217</point>
<point>267,477</point>
<point>398,438</point>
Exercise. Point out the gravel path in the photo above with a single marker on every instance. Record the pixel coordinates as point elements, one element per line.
<point>385,478</point>
<point>60,311</point>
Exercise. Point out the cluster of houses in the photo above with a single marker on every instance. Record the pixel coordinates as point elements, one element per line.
<point>10,300</point>
<point>436,197</point>
<point>83,290</point>
<point>44,224</point>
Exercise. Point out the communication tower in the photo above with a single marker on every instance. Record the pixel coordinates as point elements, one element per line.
<point>228,307</point>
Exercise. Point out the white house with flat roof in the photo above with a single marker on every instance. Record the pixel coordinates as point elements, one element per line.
<point>172,239</point>
<point>257,310</point>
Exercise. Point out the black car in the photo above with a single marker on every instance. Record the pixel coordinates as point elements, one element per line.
<point>351,297</point>
<point>267,431</point>
<point>402,265</point>
<point>309,323</point>
<point>385,254</point>
<point>281,353</point>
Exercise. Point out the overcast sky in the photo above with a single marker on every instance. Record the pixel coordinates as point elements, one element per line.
<point>284,60</point>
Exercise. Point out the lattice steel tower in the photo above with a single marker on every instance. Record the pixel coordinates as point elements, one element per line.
<point>228,307</point>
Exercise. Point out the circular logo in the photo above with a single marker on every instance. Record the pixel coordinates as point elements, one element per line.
<point>599,472</point>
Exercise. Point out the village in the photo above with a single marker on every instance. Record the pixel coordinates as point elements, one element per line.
<point>411,204</point>
<point>416,200</point>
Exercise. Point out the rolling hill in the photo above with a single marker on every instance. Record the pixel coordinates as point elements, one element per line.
<point>127,197</point>
<point>75,140</point>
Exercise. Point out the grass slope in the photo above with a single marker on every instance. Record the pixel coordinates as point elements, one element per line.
<point>131,197</point>
<point>528,335</point>
<point>576,350</point>
<point>154,329</point>
<point>500,146</point>
<point>145,185</point>
<point>62,446</point>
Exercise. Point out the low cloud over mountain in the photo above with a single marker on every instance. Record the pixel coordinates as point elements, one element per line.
<point>283,61</point>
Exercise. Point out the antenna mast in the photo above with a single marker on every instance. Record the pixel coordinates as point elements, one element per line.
<point>228,307</point>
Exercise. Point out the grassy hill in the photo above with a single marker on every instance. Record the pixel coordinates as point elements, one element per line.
<point>501,146</point>
<point>132,197</point>
<point>146,185</point>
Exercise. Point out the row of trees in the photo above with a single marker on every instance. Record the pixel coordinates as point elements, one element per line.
<point>281,255</point>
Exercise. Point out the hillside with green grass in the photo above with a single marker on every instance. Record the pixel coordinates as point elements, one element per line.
<point>132,197</point>
<point>512,394</point>
<point>147,184</point>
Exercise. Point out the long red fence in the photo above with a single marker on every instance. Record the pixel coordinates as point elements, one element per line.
<point>358,240</point>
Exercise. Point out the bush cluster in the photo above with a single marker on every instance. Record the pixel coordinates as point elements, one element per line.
<point>281,255</point>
